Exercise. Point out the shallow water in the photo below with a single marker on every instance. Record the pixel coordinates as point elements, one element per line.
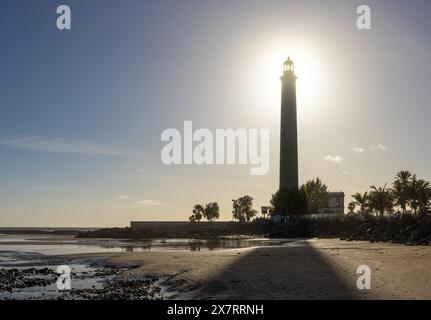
<point>41,251</point>
<point>17,249</point>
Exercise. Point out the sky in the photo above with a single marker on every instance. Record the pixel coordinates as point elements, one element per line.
<point>82,110</point>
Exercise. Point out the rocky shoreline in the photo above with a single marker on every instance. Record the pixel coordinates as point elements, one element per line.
<point>22,283</point>
<point>15,279</point>
<point>406,229</point>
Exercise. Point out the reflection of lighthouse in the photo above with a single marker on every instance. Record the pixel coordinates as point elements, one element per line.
<point>288,132</point>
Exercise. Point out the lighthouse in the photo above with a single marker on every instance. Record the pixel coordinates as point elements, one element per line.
<point>288,128</point>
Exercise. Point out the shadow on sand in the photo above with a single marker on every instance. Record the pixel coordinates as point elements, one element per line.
<point>296,271</point>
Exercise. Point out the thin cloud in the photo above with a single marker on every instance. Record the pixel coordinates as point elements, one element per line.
<point>334,158</point>
<point>358,150</point>
<point>124,197</point>
<point>147,203</point>
<point>61,145</point>
<point>379,147</point>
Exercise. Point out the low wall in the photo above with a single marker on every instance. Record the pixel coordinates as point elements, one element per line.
<point>184,226</point>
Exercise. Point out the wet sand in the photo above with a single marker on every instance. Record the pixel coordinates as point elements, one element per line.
<point>306,269</point>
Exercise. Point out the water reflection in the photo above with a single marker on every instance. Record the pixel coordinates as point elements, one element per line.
<point>188,244</point>
<point>19,249</point>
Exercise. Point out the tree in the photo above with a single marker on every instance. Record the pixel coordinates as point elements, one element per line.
<point>400,195</point>
<point>198,211</point>
<point>212,211</point>
<point>413,192</point>
<point>286,202</point>
<point>351,206</point>
<point>314,190</point>
<point>422,196</point>
<point>362,200</point>
<point>409,190</point>
<point>404,176</point>
<point>243,209</point>
<point>401,189</point>
<point>381,200</point>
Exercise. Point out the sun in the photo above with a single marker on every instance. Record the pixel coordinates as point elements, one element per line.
<point>307,69</point>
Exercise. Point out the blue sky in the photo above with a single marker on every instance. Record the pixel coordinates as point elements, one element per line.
<point>82,110</point>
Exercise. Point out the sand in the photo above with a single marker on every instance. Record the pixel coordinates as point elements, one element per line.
<point>304,269</point>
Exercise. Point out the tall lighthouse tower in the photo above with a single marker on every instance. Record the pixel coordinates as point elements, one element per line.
<point>288,133</point>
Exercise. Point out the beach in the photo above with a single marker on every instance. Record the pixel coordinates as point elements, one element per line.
<point>303,269</point>
<point>288,269</point>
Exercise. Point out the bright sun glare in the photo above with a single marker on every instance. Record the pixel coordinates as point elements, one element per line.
<point>306,68</point>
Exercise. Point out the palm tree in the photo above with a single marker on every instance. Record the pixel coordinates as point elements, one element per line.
<point>404,176</point>
<point>381,200</point>
<point>400,189</point>
<point>400,194</point>
<point>362,200</point>
<point>423,196</point>
<point>408,189</point>
<point>414,191</point>
<point>314,190</point>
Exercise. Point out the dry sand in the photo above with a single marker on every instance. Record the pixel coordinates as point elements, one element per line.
<point>306,269</point>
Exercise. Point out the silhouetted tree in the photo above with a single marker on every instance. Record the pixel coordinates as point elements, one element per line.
<point>315,191</point>
<point>425,198</point>
<point>414,187</point>
<point>407,191</point>
<point>198,211</point>
<point>401,189</point>
<point>362,200</point>
<point>381,200</point>
<point>420,195</point>
<point>287,202</point>
<point>243,209</point>
<point>212,211</point>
